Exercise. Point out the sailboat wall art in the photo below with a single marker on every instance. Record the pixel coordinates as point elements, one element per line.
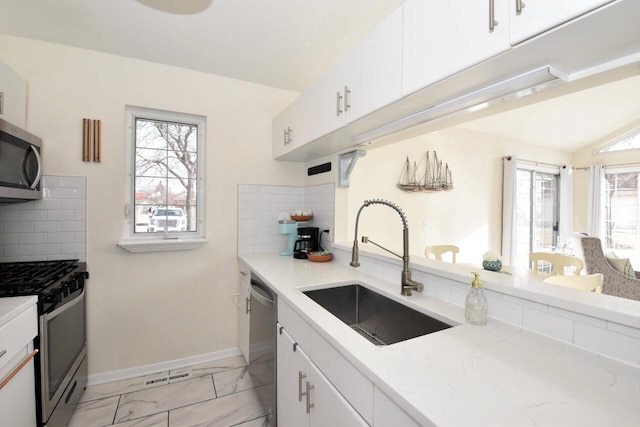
<point>427,176</point>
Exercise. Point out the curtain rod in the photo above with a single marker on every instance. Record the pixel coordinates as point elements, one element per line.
<point>531,162</point>
<point>584,168</point>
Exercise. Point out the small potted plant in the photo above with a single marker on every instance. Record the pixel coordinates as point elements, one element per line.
<point>491,261</point>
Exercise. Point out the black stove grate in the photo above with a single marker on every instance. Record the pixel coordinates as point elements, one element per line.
<point>22,278</point>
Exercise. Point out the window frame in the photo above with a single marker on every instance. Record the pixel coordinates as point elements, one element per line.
<point>173,240</point>
<point>612,170</point>
<point>533,170</point>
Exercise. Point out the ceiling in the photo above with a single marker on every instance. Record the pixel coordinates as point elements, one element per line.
<point>281,43</point>
<point>572,121</point>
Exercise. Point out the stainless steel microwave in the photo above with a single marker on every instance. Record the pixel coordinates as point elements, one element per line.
<point>20,164</point>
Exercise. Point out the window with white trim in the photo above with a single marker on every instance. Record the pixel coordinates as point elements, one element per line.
<point>538,210</point>
<point>166,175</point>
<point>622,213</point>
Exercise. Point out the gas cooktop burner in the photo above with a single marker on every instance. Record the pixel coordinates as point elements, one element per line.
<point>28,278</point>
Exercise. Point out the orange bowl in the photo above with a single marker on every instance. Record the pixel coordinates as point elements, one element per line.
<point>319,258</point>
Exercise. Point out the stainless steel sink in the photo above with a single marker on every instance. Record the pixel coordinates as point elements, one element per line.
<point>379,319</point>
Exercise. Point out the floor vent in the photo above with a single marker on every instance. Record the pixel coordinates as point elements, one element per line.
<point>168,379</point>
<point>179,377</point>
<point>156,381</point>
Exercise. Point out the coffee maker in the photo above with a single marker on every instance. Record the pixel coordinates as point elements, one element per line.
<point>307,242</point>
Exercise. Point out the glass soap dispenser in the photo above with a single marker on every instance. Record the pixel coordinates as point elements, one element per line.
<point>475,309</point>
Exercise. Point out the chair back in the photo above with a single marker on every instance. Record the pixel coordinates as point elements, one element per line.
<point>614,282</point>
<point>438,250</point>
<point>558,262</point>
<point>589,283</point>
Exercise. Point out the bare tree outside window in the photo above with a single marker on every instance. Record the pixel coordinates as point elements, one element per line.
<point>166,171</point>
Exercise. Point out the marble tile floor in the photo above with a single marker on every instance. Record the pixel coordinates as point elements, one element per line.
<point>217,393</point>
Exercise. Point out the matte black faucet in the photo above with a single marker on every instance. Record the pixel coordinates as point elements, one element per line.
<point>406,284</point>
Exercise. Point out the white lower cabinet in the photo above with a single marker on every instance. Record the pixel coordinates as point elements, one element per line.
<point>387,414</point>
<point>17,375</point>
<point>305,395</point>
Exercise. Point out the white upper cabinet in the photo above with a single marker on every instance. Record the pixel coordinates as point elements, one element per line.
<point>532,17</point>
<point>443,37</point>
<point>377,76</point>
<point>13,97</point>
<point>365,80</point>
<point>283,134</point>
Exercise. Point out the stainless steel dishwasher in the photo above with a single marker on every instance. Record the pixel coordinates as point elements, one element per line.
<point>262,345</point>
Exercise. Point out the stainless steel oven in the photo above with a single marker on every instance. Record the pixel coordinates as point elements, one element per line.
<point>61,364</point>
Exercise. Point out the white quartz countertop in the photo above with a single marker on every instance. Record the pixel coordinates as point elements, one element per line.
<point>12,306</point>
<point>493,375</point>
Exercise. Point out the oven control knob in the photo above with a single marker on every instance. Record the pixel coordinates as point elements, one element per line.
<point>59,295</point>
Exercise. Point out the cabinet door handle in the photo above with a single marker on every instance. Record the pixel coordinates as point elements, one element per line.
<point>247,305</point>
<point>289,139</point>
<point>300,392</point>
<point>1,102</point>
<point>18,369</point>
<point>285,138</point>
<point>492,16</point>
<point>347,103</point>
<point>308,394</point>
<point>519,6</point>
<point>338,102</point>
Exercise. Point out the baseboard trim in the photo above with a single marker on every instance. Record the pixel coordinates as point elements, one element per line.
<point>138,371</point>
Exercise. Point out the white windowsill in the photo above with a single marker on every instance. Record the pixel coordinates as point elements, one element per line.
<point>156,245</point>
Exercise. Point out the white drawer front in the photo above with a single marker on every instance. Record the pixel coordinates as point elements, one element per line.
<point>17,334</point>
<point>296,326</point>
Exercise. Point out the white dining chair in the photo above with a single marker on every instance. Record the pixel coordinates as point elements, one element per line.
<point>438,250</point>
<point>589,282</point>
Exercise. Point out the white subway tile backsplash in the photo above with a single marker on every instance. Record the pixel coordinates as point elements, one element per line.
<point>260,205</point>
<point>599,323</point>
<point>548,324</point>
<point>612,344</point>
<point>32,215</point>
<point>51,228</point>
<point>61,215</point>
<point>31,238</point>
<point>47,249</point>
<point>47,226</point>
<point>622,329</point>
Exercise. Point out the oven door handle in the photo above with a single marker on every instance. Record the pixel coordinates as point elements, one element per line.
<point>48,316</point>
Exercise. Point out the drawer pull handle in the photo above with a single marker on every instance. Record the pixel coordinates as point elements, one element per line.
<point>308,393</point>
<point>18,369</point>
<point>300,392</point>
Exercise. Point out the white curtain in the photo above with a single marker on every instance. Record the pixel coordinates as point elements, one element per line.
<point>509,220</point>
<point>566,204</point>
<point>594,201</point>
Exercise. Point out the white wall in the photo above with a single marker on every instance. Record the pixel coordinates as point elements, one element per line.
<point>149,308</point>
<point>469,216</point>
